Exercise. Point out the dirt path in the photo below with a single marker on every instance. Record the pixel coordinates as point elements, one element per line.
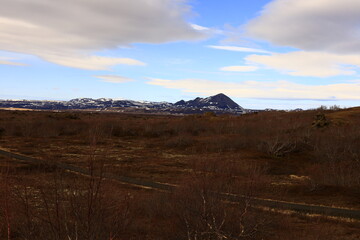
<point>269,203</point>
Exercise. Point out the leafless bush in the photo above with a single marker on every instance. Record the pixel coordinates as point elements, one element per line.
<point>71,210</point>
<point>202,214</point>
<point>6,205</point>
<point>69,207</point>
<point>279,146</point>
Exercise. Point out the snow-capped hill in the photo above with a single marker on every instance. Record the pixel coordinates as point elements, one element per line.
<point>218,103</point>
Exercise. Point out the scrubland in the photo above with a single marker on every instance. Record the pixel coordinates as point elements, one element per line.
<point>308,157</point>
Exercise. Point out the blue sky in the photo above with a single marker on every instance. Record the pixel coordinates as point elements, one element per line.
<point>281,54</point>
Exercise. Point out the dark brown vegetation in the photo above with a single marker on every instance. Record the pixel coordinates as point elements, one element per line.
<point>308,157</point>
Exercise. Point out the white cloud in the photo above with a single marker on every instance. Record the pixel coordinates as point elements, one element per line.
<point>239,68</point>
<point>313,25</point>
<point>77,29</point>
<point>114,78</point>
<point>315,64</point>
<point>264,90</point>
<point>238,49</point>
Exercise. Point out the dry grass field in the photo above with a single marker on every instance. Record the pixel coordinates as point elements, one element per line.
<point>308,157</point>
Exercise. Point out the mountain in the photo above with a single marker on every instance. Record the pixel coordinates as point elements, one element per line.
<point>216,102</point>
<point>219,103</point>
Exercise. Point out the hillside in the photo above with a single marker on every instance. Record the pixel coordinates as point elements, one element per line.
<point>219,103</point>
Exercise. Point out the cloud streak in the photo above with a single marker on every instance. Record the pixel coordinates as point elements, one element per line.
<point>282,90</point>
<point>238,49</point>
<point>7,62</point>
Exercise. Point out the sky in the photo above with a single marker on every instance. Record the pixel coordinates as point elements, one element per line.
<point>281,54</point>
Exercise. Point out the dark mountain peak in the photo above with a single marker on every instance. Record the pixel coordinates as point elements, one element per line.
<point>221,98</point>
<point>217,102</point>
<point>220,95</point>
<point>222,101</point>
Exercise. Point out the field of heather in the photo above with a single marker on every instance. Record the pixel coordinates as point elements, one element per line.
<point>308,157</point>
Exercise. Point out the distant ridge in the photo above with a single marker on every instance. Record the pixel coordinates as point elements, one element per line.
<point>219,103</point>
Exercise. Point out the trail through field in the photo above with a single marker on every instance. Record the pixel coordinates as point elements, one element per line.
<point>256,202</point>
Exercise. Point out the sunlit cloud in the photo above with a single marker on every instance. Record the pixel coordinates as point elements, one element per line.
<point>239,68</point>
<point>114,78</point>
<point>91,62</point>
<point>314,64</point>
<point>284,90</point>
